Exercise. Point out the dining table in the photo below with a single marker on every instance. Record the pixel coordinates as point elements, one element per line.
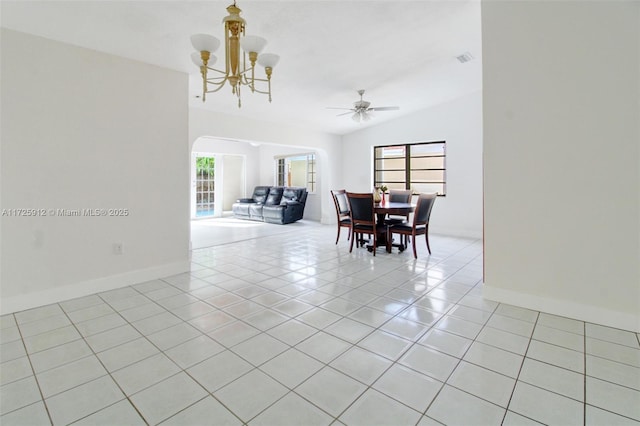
<point>383,209</point>
<point>400,209</point>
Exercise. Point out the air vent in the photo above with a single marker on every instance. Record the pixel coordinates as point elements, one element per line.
<point>465,57</point>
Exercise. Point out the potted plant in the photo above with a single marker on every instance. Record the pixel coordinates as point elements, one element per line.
<point>383,190</point>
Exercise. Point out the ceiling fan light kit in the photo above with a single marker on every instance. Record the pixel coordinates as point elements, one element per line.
<point>362,109</point>
<point>360,116</point>
<point>237,47</point>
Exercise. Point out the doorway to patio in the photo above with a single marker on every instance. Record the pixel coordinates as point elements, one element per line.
<point>205,185</point>
<point>217,180</point>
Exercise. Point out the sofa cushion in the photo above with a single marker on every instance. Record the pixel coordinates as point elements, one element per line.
<point>260,194</point>
<point>290,195</point>
<point>241,209</point>
<point>275,195</point>
<point>275,212</point>
<point>255,211</point>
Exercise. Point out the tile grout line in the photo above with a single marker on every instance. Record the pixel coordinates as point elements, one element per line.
<point>352,267</point>
<point>337,356</point>
<point>184,370</point>
<point>180,369</point>
<point>584,374</point>
<point>83,337</point>
<point>444,382</point>
<point>33,371</point>
<point>367,387</point>
<point>524,359</point>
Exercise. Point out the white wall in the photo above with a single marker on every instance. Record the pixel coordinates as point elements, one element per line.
<point>232,184</point>
<point>561,157</point>
<point>275,137</point>
<point>82,129</point>
<point>459,123</point>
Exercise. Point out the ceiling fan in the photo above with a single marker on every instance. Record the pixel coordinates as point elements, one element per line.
<point>361,109</point>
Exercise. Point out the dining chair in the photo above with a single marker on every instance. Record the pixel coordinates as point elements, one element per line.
<point>363,218</point>
<point>419,226</point>
<point>342,211</point>
<point>399,196</point>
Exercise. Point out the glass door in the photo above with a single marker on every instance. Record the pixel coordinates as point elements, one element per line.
<point>205,186</point>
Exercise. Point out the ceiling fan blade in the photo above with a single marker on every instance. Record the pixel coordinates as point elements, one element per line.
<point>361,110</point>
<point>387,108</point>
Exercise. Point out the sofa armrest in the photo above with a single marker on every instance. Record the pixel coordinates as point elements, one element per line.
<point>245,200</point>
<point>288,204</point>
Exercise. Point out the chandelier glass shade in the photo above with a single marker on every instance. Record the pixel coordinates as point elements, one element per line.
<point>241,53</point>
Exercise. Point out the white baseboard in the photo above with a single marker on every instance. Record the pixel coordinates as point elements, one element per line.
<point>565,308</point>
<point>456,232</point>
<point>85,288</point>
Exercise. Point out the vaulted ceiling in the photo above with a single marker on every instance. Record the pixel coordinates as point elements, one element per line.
<point>402,52</point>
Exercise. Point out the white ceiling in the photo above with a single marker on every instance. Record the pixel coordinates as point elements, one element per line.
<point>402,52</point>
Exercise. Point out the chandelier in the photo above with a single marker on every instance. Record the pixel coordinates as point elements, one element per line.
<point>235,71</point>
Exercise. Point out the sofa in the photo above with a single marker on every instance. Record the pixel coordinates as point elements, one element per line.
<point>272,204</point>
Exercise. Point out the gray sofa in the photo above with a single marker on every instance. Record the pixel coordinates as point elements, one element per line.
<point>272,204</point>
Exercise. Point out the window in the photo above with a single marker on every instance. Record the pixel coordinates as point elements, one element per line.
<point>297,170</point>
<point>205,185</point>
<point>417,166</point>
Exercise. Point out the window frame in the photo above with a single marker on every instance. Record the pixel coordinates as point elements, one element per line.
<point>408,182</point>
<point>311,169</point>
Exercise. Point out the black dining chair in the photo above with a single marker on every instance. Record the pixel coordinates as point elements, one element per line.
<point>419,226</point>
<point>342,211</point>
<point>363,218</point>
<point>399,196</point>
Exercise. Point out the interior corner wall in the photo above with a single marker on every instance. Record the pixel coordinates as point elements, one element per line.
<point>561,158</point>
<point>233,186</point>
<point>459,123</point>
<point>94,153</point>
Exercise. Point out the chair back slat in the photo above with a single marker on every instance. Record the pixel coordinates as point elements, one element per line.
<point>342,211</point>
<point>423,209</point>
<point>340,202</point>
<point>399,196</point>
<point>343,203</point>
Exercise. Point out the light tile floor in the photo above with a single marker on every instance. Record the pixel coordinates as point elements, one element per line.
<point>291,329</point>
